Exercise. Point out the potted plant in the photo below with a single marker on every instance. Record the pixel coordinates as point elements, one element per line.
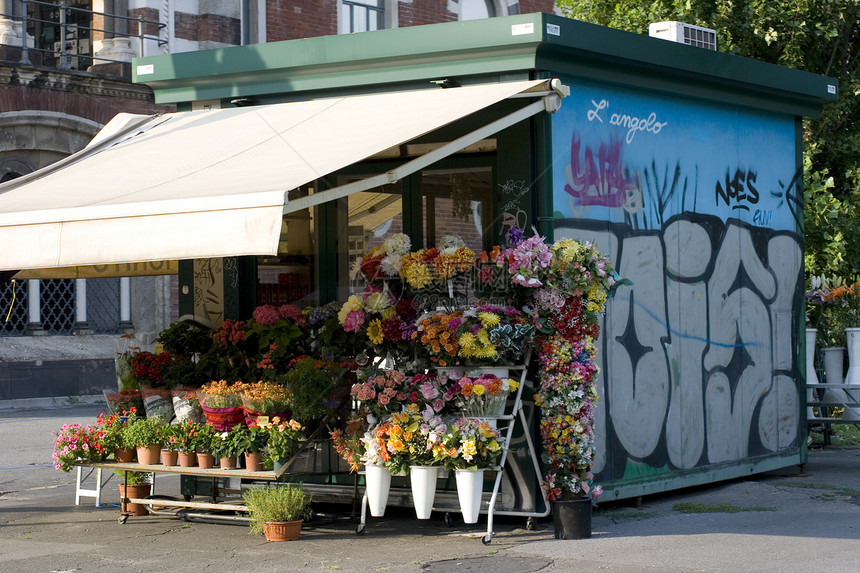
<point>112,429</point>
<point>170,443</point>
<point>225,448</point>
<point>77,443</point>
<point>144,434</point>
<point>278,510</point>
<point>203,439</point>
<point>184,442</point>
<point>222,404</point>
<point>134,485</point>
<point>266,399</point>
<point>283,441</point>
<point>250,441</point>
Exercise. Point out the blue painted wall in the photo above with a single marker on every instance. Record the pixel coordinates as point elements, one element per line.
<point>696,204</point>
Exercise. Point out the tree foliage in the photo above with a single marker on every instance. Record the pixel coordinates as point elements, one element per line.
<point>818,36</point>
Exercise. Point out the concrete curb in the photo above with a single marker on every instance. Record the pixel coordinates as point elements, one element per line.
<point>51,402</point>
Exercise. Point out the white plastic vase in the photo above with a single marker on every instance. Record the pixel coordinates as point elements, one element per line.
<point>377,481</point>
<point>470,485</point>
<point>811,375</point>
<point>423,481</point>
<point>832,358</point>
<point>852,337</point>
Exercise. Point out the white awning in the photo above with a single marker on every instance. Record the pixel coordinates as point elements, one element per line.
<point>214,183</point>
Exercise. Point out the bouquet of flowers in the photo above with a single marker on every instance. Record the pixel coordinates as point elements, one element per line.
<point>570,292</point>
<point>77,443</point>
<point>384,261</point>
<point>350,443</point>
<point>437,264</point>
<point>483,396</point>
<point>471,444</point>
<point>385,319</point>
<point>477,334</point>
<point>835,306</point>
<point>266,398</point>
<point>148,368</point>
<point>411,438</point>
<point>381,393</point>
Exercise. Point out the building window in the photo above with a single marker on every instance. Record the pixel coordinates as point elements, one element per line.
<point>361,16</point>
<point>476,9</point>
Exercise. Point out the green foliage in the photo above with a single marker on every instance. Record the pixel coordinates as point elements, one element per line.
<point>287,502</point>
<point>312,382</point>
<point>249,440</point>
<point>133,477</point>
<point>142,432</point>
<point>818,36</point>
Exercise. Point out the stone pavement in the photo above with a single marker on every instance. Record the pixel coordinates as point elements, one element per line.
<point>796,523</point>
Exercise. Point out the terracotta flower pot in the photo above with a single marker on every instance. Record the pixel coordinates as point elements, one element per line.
<point>205,460</point>
<point>169,457</point>
<point>123,455</point>
<point>139,491</point>
<point>187,459</point>
<point>228,462</point>
<point>254,461</point>
<point>282,530</point>
<point>149,455</point>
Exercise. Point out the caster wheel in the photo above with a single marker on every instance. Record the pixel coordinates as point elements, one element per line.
<point>122,519</point>
<point>531,524</point>
<point>486,539</point>
<point>360,529</point>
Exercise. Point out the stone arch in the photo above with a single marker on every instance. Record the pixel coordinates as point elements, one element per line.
<point>34,139</point>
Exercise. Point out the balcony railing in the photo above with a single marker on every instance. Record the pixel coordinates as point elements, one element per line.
<point>56,34</point>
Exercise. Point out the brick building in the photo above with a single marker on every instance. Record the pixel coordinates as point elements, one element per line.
<point>63,76</point>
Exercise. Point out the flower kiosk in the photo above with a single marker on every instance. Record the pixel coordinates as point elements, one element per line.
<point>379,222</point>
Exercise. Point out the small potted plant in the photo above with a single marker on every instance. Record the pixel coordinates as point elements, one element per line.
<point>278,510</point>
<point>144,434</point>
<point>111,427</point>
<point>284,440</point>
<point>186,441</point>
<point>134,485</point>
<point>224,447</point>
<point>76,443</point>
<point>203,445</point>
<point>169,440</point>
<point>250,441</point>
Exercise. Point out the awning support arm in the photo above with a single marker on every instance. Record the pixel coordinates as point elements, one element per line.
<point>549,103</point>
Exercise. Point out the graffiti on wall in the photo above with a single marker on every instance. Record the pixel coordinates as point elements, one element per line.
<point>697,208</point>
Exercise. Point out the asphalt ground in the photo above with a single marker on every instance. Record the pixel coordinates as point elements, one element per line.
<point>791,522</point>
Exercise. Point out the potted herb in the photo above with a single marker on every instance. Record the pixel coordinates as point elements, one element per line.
<point>278,510</point>
<point>134,485</point>
<point>144,434</point>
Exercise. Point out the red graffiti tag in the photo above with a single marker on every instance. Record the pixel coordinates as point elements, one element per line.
<point>601,182</point>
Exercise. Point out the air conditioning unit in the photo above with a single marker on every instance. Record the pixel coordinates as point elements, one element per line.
<point>684,34</point>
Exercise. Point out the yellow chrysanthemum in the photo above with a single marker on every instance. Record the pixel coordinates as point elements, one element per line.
<point>468,343</point>
<point>418,275</point>
<point>389,312</point>
<point>489,319</point>
<point>478,390</point>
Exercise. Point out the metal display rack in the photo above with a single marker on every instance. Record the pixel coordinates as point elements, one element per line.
<point>506,424</point>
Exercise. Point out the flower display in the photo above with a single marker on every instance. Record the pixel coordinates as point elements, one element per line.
<point>527,260</point>
<point>483,396</point>
<point>478,334</point>
<point>571,295</point>
<point>266,398</point>
<point>77,443</point>
<point>148,368</point>
<point>222,394</point>
<point>471,444</point>
<point>834,305</point>
<point>284,439</point>
<point>410,438</point>
<point>380,394</point>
